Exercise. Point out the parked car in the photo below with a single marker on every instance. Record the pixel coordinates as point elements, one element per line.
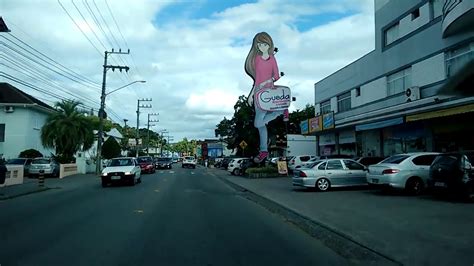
<point>123,169</point>
<point>146,164</point>
<point>369,160</point>
<point>327,173</point>
<point>246,164</point>
<point>299,160</point>
<point>336,156</point>
<point>407,171</point>
<point>46,166</point>
<point>25,162</point>
<point>453,172</point>
<point>189,161</point>
<point>234,165</point>
<point>225,162</point>
<point>164,163</point>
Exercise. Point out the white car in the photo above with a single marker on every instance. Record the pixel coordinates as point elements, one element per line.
<point>299,160</point>
<point>189,161</point>
<point>124,169</point>
<point>234,165</point>
<point>409,171</point>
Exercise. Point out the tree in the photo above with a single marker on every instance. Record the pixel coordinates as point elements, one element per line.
<point>67,131</point>
<point>111,148</point>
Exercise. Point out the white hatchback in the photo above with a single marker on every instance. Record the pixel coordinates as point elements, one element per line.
<point>234,165</point>
<point>300,160</point>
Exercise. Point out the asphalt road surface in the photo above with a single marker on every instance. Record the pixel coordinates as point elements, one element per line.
<point>174,217</point>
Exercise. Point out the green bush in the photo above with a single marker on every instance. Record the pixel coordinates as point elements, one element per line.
<point>31,153</point>
<point>263,170</point>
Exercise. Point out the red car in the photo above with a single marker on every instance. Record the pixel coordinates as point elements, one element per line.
<point>146,164</point>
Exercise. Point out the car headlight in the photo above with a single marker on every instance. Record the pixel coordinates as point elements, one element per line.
<point>128,173</point>
<point>104,174</point>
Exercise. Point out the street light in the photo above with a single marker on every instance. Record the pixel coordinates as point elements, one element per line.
<point>101,121</point>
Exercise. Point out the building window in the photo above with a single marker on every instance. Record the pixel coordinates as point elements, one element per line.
<point>398,82</point>
<point>457,58</point>
<point>436,7</point>
<point>326,107</point>
<point>2,132</point>
<point>391,34</point>
<point>415,14</point>
<point>357,92</point>
<point>344,102</point>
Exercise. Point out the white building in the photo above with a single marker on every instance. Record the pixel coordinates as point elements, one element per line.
<point>21,119</point>
<point>389,100</point>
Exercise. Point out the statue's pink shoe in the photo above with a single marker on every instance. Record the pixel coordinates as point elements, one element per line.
<point>261,156</point>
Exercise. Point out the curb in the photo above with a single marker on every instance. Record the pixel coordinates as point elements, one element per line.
<point>336,240</point>
<point>24,193</point>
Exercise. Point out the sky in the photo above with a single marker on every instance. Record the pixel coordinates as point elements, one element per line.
<point>191,53</point>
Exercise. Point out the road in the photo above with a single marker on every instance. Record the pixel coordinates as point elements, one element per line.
<point>174,217</point>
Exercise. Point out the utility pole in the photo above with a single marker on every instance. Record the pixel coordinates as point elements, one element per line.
<point>161,141</point>
<point>102,103</point>
<point>125,122</point>
<point>137,137</point>
<point>148,131</point>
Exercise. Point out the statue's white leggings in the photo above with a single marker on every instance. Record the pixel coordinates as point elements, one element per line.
<point>262,118</point>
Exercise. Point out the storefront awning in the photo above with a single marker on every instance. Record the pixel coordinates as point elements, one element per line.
<point>440,113</point>
<point>381,124</point>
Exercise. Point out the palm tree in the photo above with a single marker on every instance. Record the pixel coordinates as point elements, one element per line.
<point>67,131</point>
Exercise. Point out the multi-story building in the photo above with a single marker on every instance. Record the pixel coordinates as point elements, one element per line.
<point>389,100</point>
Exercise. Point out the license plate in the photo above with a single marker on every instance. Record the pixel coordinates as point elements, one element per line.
<point>115,177</point>
<point>375,180</point>
<point>440,184</point>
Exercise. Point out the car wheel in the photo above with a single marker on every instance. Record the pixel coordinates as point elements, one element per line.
<point>414,186</point>
<point>323,184</point>
<point>469,195</point>
<point>132,182</point>
<point>104,184</point>
<point>236,171</point>
<point>139,180</point>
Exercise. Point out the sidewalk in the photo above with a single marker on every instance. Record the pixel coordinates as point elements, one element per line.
<point>411,230</point>
<point>29,186</point>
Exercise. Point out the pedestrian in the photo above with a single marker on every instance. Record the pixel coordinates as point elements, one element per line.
<point>3,171</point>
<point>262,67</point>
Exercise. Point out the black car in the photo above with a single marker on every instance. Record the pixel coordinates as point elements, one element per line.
<point>163,163</point>
<point>453,172</point>
<point>369,160</point>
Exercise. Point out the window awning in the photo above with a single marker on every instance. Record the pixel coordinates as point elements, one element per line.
<point>440,113</point>
<point>380,124</point>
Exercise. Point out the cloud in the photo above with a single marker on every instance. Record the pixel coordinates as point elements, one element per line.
<point>194,67</point>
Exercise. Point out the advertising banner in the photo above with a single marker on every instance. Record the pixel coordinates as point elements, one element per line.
<point>304,126</point>
<point>274,99</point>
<point>282,168</point>
<point>328,120</point>
<point>315,124</point>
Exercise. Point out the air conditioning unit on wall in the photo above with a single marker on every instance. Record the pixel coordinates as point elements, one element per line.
<point>412,94</point>
<point>9,109</point>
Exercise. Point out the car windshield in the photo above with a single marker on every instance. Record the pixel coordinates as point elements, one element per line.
<point>16,161</point>
<point>121,162</point>
<point>40,161</point>
<point>395,159</point>
<point>164,159</point>
<point>189,158</point>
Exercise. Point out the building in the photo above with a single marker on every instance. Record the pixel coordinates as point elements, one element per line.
<point>389,100</point>
<point>21,119</point>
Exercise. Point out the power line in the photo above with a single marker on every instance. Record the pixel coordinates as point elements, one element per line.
<point>96,21</point>
<point>70,76</point>
<point>105,22</point>
<point>41,64</point>
<point>87,23</point>
<point>79,76</point>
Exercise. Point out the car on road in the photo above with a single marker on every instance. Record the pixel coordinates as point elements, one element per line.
<point>189,162</point>
<point>123,169</point>
<point>327,173</point>
<point>146,164</point>
<point>46,166</point>
<point>453,172</point>
<point>409,171</point>
<point>164,163</point>
<point>25,162</point>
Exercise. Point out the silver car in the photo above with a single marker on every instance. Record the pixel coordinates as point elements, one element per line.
<point>324,174</point>
<point>46,166</point>
<point>409,171</point>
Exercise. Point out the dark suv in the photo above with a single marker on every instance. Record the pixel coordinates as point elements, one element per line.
<point>453,172</point>
<point>164,163</point>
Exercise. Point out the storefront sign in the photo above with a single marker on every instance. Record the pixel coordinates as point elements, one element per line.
<point>328,120</point>
<point>347,137</point>
<point>304,126</point>
<point>327,139</point>
<point>315,124</point>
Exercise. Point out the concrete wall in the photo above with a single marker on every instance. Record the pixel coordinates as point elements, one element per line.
<point>14,176</point>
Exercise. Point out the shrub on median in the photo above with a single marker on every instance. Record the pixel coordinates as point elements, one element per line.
<point>263,170</point>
